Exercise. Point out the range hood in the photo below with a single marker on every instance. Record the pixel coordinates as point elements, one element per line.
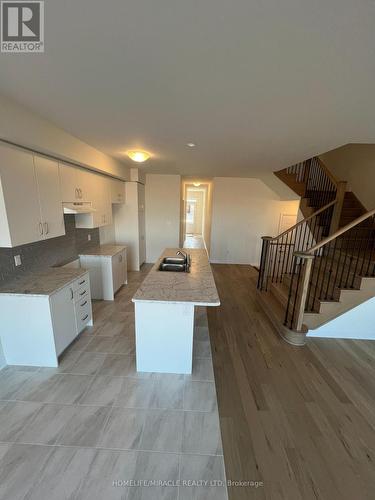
<point>78,208</point>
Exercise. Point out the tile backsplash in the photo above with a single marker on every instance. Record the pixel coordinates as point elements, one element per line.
<point>42,254</point>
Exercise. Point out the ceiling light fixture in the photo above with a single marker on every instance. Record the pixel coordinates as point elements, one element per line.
<point>190,144</point>
<point>196,184</point>
<point>138,155</point>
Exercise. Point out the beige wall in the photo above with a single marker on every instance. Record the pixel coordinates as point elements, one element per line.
<point>163,194</point>
<point>355,163</point>
<point>244,210</point>
<point>25,128</point>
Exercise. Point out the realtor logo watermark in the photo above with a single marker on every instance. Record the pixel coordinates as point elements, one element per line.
<point>22,26</point>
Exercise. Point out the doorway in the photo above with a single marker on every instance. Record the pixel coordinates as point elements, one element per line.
<point>196,217</point>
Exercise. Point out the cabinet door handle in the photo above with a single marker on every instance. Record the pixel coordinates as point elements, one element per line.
<point>83,293</point>
<point>77,193</point>
<point>83,319</point>
<point>83,305</point>
<point>80,193</point>
<point>40,229</point>
<point>82,282</point>
<point>46,227</point>
<point>72,293</point>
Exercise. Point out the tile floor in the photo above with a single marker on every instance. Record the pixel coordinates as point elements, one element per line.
<point>88,427</point>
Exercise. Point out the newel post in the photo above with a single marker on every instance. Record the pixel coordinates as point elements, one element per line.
<point>337,208</point>
<point>264,262</point>
<point>303,287</point>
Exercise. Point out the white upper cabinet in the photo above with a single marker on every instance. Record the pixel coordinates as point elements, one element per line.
<point>100,197</point>
<point>117,191</point>
<point>75,184</point>
<point>47,177</point>
<point>68,179</point>
<point>107,201</point>
<point>33,189</point>
<point>84,178</point>
<point>20,220</point>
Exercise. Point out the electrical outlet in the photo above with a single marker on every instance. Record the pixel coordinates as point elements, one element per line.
<point>17,260</point>
<point>89,237</point>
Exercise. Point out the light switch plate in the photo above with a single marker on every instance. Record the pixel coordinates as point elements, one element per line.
<point>17,260</point>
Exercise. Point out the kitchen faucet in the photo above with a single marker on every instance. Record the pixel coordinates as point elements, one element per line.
<point>185,255</point>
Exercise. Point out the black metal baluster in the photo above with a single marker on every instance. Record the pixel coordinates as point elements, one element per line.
<point>296,294</point>
<point>290,292</point>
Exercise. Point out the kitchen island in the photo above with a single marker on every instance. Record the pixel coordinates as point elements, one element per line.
<point>164,313</point>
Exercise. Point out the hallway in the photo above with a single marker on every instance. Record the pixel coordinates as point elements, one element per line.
<point>301,420</point>
<point>194,241</point>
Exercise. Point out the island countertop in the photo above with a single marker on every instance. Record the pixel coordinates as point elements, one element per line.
<point>196,287</point>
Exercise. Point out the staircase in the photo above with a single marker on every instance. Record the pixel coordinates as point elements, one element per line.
<point>325,264</point>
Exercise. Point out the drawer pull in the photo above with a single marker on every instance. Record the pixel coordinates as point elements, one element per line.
<point>82,282</point>
<point>82,305</point>
<point>83,293</point>
<point>85,318</point>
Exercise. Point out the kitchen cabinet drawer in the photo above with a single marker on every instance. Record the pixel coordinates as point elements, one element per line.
<point>81,282</point>
<point>82,304</point>
<point>84,316</point>
<point>81,293</point>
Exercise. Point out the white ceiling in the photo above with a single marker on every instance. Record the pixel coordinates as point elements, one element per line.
<point>256,84</point>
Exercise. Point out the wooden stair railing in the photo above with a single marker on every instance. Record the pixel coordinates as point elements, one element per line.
<point>277,253</point>
<point>330,264</point>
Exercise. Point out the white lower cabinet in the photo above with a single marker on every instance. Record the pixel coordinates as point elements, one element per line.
<point>107,273</point>
<point>119,270</point>
<point>36,329</point>
<point>63,316</point>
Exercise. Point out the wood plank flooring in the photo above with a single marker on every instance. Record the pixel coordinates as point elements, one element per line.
<point>301,420</point>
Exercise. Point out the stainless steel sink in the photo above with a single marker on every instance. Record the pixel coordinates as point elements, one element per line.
<point>173,260</point>
<point>175,264</point>
<point>178,268</point>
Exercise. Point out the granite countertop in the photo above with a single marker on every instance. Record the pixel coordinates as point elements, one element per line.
<point>45,282</point>
<point>197,287</point>
<point>104,251</point>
